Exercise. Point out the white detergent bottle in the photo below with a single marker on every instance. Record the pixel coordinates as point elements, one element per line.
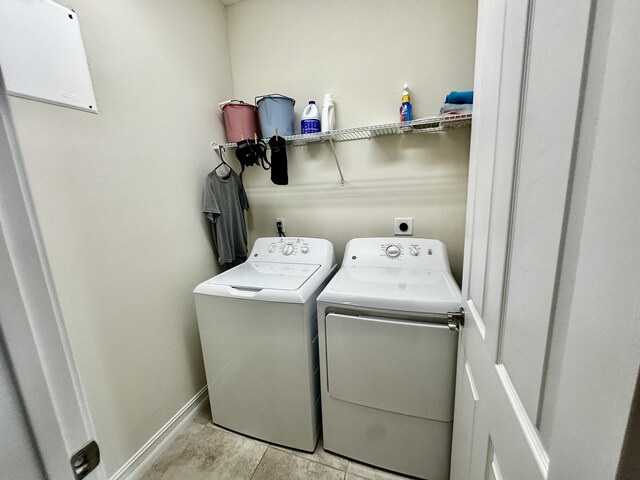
<point>328,121</point>
<point>310,120</point>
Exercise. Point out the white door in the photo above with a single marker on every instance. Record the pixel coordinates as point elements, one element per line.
<point>526,209</point>
<point>43,415</point>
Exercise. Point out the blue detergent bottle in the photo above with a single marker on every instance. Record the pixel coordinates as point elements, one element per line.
<point>405,108</point>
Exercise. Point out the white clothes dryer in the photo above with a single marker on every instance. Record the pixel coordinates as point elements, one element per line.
<point>258,329</point>
<point>388,357</point>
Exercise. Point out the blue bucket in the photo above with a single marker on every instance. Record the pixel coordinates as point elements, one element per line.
<point>275,111</point>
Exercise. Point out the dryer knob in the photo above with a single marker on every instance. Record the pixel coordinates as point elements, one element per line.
<point>393,251</point>
<point>287,249</point>
<point>304,249</point>
<point>414,251</point>
<point>272,248</point>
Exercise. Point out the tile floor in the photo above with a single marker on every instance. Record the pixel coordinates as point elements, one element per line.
<point>203,451</point>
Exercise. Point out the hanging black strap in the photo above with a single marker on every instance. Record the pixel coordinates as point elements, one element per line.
<point>262,154</point>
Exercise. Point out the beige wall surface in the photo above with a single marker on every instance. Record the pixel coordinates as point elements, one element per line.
<point>362,51</point>
<point>118,197</point>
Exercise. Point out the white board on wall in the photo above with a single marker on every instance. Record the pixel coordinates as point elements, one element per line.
<point>42,55</point>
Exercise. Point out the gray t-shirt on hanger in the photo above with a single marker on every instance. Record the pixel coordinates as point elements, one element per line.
<point>223,203</point>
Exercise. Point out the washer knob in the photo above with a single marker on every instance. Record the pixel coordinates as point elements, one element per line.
<point>393,251</point>
<point>304,249</point>
<point>272,248</point>
<point>287,249</point>
<point>414,251</point>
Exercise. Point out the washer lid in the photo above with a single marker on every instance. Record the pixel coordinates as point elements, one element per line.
<point>404,289</point>
<point>266,275</point>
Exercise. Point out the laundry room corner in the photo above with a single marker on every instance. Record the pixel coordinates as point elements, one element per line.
<point>311,240</point>
<point>118,198</point>
<point>362,52</point>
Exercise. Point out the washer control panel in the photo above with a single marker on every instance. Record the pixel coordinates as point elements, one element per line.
<point>291,250</point>
<point>290,246</point>
<point>394,251</point>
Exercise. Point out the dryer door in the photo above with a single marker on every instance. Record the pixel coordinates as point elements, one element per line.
<point>394,365</point>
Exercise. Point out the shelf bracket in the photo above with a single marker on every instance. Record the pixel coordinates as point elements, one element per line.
<point>335,157</point>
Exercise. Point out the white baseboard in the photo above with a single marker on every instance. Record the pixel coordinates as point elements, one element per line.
<point>150,451</point>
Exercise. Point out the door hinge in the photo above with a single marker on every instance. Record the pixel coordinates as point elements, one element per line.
<point>85,460</point>
<point>455,320</point>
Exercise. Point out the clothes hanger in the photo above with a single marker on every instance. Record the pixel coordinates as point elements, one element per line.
<point>222,162</point>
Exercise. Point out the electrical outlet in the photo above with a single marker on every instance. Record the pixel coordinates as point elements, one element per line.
<point>403,226</point>
<point>280,223</point>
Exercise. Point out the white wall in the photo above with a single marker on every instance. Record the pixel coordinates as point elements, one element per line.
<point>362,51</point>
<point>118,199</point>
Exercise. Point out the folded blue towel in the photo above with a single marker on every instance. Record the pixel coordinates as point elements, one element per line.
<point>459,97</point>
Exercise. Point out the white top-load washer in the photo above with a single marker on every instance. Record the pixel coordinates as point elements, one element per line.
<point>388,357</point>
<point>258,330</point>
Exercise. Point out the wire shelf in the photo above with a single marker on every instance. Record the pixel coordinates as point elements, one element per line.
<point>422,125</point>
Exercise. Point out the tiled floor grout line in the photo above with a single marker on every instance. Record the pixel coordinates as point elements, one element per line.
<point>319,463</point>
<point>345,470</point>
<point>291,452</point>
<point>299,455</point>
<point>261,458</point>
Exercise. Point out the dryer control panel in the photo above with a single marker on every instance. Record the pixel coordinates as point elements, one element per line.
<point>395,251</point>
<point>293,250</point>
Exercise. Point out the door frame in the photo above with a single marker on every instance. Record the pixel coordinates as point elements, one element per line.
<point>31,322</point>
